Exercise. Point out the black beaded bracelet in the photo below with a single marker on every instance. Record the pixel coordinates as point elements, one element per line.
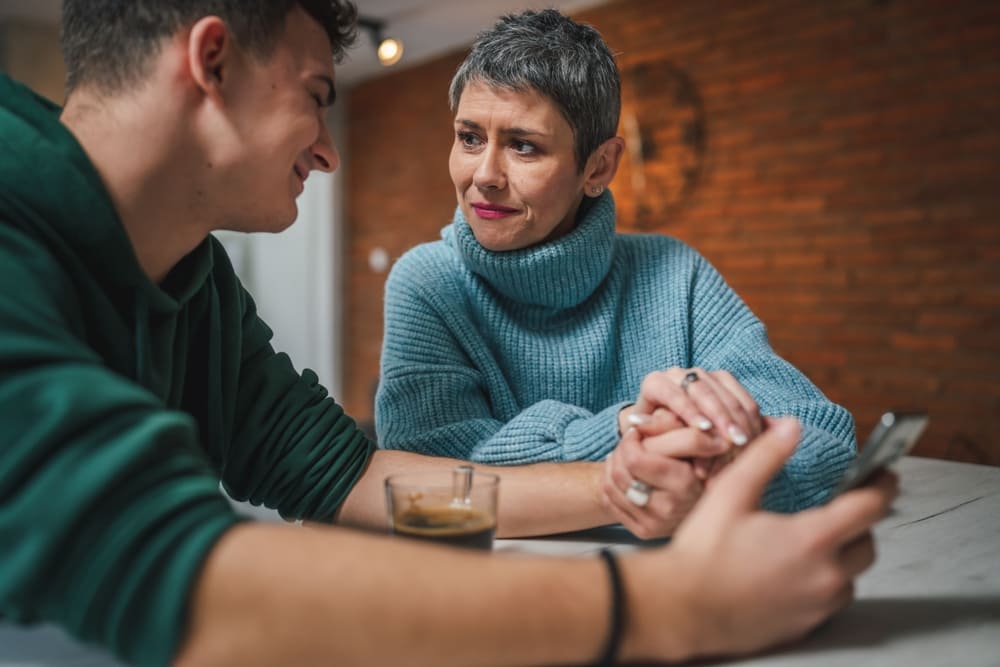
<point>610,654</point>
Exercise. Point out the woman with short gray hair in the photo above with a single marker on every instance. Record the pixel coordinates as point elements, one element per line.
<point>532,331</point>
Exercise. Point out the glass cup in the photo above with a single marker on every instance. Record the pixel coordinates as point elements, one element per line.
<point>457,507</point>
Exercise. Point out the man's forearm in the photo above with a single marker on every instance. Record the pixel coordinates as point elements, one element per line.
<point>274,594</point>
<point>535,499</point>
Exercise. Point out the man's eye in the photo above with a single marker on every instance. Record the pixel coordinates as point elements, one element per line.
<point>468,139</point>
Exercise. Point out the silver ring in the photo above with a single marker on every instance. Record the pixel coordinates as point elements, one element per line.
<point>638,493</point>
<point>690,378</point>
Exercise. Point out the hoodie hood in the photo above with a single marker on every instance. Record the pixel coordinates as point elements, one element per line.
<point>63,201</point>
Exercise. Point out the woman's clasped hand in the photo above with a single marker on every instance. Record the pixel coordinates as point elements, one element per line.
<point>686,425</point>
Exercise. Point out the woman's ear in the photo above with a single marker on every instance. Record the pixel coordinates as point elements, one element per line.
<point>210,53</point>
<point>603,164</point>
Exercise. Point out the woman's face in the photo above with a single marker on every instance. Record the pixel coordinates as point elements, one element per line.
<point>514,167</point>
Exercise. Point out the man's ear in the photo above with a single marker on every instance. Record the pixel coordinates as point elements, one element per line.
<point>210,53</point>
<point>602,165</point>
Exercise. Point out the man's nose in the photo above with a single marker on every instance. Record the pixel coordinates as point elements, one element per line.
<point>324,152</point>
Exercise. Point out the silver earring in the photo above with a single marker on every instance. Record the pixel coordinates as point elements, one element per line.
<point>596,190</point>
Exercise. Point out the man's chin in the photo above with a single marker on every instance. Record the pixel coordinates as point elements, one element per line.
<point>282,220</point>
<point>273,224</point>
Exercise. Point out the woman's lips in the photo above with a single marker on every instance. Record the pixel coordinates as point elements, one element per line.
<point>492,211</point>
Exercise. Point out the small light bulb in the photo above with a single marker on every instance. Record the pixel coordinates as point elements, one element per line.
<point>390,51</point>
<point>378,260</point>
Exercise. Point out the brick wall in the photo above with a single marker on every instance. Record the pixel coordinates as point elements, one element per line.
<point>29,53</point>
<point>838,162</point>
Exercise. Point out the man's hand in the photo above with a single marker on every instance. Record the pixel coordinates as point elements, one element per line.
<point>749,578</point>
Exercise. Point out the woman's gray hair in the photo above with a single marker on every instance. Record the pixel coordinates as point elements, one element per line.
<point>550,53</point>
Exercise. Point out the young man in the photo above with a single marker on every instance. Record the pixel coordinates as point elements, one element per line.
<point>136,376</point>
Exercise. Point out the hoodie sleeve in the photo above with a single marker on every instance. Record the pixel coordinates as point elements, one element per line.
<point>108,506</point>
<point>292,448</point>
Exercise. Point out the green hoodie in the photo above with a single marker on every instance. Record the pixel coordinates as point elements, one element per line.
<point>124,403</point>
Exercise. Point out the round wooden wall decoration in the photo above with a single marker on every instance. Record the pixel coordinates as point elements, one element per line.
<point>663,122</point>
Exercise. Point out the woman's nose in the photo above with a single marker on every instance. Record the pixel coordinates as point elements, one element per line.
<point>489,174</point>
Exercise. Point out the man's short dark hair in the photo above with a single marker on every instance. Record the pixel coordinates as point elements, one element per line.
<point>110,43</point>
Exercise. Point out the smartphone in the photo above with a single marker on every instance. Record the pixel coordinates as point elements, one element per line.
<point>893,437</point>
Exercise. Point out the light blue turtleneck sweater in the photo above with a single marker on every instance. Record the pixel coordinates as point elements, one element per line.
<point>528,355</point>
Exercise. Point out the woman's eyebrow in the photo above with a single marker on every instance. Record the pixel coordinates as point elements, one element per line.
<point>510,131</point>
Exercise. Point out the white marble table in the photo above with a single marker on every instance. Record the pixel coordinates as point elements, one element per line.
<point>932,599</point>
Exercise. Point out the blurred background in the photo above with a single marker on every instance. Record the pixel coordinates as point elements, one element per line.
<point>838,162</point>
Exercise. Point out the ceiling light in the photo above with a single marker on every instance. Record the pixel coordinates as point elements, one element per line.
<point>388,49</point>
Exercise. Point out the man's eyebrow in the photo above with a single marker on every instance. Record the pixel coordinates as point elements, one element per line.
<point>331,95</point>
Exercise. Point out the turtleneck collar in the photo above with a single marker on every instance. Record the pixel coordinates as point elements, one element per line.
<point>557,274</point>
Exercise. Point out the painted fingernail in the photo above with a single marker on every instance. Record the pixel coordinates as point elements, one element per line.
<point>638,419</point>
<point>738,437</point>
<point>703,424</point>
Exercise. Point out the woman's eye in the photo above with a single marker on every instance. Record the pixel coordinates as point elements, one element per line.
<point>468,139</point>
<point>523,147</point>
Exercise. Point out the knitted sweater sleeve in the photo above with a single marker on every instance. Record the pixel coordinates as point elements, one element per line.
<point>433,396</point>
<point>727,336</point>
